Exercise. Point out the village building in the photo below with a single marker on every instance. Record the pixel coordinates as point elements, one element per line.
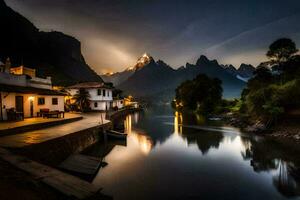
<point>101,97</point>
<point>23,95</point>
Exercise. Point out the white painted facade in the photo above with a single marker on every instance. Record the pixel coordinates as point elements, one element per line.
<point>21,80</point>
<point>119,103</point>
<point>101,98</point>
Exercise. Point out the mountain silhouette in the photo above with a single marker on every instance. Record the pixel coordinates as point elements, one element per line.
<point>156,79</point>
<point>51,53</point>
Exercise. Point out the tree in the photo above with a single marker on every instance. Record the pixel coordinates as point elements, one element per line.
<point>262,78</point>
<point>82,99</point>
<point>281,51</point>
<point>117,93</point>
<point>202,94</point>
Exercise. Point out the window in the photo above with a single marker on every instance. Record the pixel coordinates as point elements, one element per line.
<point>41,101</point>
<point>54,101</point>
<point>104,93</point>
<point>95,104</point>
<point>99,92</point>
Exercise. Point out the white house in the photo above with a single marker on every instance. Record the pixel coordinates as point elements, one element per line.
<point>101,97</point>
<point>24,93</point>
<point>118,103</point>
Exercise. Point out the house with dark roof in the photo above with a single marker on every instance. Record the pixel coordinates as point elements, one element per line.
<point>101,97</point>
<point>23,93</point>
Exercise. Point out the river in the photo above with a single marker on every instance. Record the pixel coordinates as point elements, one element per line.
<point>172,156</point>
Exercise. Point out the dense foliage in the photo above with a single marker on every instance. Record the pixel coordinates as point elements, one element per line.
<point>202,94</point>
<point>274,89</point>
<point>82,100</point>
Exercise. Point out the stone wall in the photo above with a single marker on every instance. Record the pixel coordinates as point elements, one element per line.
<point>53,152</point>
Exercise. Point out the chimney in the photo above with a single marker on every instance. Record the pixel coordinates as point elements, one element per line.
<point>7,66</point>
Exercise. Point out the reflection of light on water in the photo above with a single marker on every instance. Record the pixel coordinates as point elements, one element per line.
<point>136,117</point>
<point>127,124</point>
<point>143,141</point>
<point>178,123</point>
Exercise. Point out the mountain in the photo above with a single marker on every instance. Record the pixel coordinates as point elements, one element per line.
<point>119,77</point>
<point>232,86</point>
<point>150,79</point>
<point>243,73</point>
<point>50,53</point>
<point>157,80</point>
<point>245,70</point>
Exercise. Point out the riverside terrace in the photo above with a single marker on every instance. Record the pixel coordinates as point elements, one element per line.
<point>24,150</point>
<point>41,130</point>
<point>35,123</point>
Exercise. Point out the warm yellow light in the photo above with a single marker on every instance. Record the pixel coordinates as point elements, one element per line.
<point>31,98</point>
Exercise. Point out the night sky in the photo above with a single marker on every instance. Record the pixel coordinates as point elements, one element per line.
<point>115,33</point>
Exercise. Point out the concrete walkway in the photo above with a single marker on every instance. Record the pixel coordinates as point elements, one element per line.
<point>35,120</point>
<point>34,137</point>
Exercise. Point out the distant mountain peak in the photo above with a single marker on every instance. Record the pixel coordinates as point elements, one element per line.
<point>202,60</point>
<point>144,60</point>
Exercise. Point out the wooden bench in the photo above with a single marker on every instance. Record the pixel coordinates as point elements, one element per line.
<point>42,112</point>
<point>56,114</point>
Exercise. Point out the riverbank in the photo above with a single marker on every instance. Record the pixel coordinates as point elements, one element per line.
<point>287,128</point>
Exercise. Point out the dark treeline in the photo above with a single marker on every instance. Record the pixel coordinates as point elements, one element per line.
<point>270,94</point>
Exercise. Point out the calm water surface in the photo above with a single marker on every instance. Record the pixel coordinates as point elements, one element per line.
<point>172,156</point>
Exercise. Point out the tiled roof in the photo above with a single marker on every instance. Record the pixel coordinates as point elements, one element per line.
<point>90,85</point>
<point>29,90</point>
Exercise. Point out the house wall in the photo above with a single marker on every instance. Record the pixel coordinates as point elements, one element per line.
<point>118,103</point>
<point>8,101</point>
<point>9,79</point>
<point>21,80</point>
<point>96,97</point>
<point>101,105</point>
<point>104,102</point>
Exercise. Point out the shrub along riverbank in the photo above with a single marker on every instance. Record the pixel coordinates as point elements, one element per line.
<point>269,103</point>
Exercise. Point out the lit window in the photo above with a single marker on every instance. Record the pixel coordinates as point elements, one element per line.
<point>41,101</point>
<point>54,101</point>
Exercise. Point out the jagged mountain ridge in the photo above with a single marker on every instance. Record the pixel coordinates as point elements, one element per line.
<point>156,78</point>
<point>51,53</point>
<point>244,72</point>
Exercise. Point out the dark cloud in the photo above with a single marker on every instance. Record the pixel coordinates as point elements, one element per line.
<point>115,33</point>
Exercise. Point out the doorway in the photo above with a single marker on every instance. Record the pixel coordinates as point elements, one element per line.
<point>20,105</point>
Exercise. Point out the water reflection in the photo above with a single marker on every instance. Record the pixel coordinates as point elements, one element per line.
<point>178,123</point>
<point>266,156</point>
<point>141,139</point>
<point>198,160</point>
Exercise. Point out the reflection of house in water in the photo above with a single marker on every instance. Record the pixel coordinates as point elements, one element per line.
<point>145,142</point>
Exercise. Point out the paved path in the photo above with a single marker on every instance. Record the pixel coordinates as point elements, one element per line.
<point>35,120</point>
<point>33,137</point>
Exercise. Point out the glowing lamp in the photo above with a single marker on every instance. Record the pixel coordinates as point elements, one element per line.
<point>31,98</point>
